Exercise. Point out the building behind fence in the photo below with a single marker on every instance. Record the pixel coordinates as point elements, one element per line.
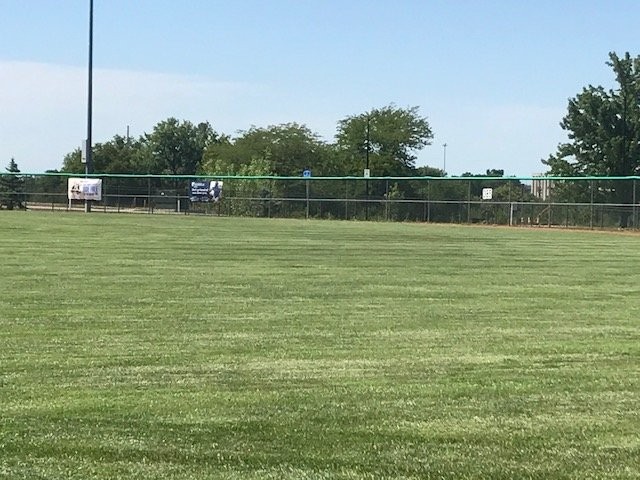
<point>583,202</point>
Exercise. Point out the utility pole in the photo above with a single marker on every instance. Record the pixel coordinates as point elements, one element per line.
<point>444,159</point>
<point>366,205</point>
<point>88,168</point>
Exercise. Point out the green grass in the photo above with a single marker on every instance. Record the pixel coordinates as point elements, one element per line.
<point>178,347</point>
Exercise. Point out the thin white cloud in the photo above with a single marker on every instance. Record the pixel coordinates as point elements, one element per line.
<point>44,107</point>
<point>44,114</point>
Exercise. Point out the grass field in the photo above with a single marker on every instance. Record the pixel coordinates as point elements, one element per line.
<point>178,347</point>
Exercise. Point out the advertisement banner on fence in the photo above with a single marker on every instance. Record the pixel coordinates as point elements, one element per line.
<point>85,189</point>
<point>206,191</point>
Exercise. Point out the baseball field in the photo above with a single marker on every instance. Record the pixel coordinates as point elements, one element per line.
<point>191,347</point>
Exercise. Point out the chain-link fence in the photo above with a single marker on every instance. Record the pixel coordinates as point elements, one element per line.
<point>583,202</point>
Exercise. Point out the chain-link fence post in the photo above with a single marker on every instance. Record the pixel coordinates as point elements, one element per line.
<point>468,201</point>
<point>386,203</point>
<point>104,195</point>
<point>270,200</point>
<point>591,215</point>
<point>306,186</point>
<point>428,200</point>
<point>635,211</point>
<point>148,195</point>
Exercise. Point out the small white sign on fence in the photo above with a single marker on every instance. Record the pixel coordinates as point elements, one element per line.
<point>487,193</point>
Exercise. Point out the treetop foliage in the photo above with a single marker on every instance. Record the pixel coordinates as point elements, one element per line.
<point>390,136</point>
<point>603,126</point>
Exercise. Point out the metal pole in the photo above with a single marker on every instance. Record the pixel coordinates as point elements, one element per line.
<point>469,202</point>
<point>346,199</point>
<point>366,205</point>
<point>387,201</point>
<point>591,215</point>
<point>270,196</point>
<point>428,201</point>
<point>444,159</point>
<point>307,188</point>
<point>511,207</point>
<point>635,222</point>
<point>89,165</point>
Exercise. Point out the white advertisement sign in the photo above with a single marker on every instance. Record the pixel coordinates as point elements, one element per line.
<point>487,193</point>
<point>85,189</point>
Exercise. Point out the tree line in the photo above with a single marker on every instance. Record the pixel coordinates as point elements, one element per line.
<point>385,140</point>
<point>603,127</point>
<point>389,136</point>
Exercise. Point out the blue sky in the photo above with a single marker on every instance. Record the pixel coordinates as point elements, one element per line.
<point>492,77</point>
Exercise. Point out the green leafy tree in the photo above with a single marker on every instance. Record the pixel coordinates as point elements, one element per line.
<point>118,155</point>
<point>427,171</point>
<point>12,187</point>
<point>604,132</point>
<point>289,148</point>
<point>390,136</point>
<point>122,155</point>
<point>177,148</point>
<point>283,150</point>
<point>72,162</point>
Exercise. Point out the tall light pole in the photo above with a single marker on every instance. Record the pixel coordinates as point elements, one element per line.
<point>444,158</point>
<point>366,205</point>
<point>88,168</point>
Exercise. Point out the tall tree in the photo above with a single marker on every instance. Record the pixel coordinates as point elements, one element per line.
<point>288,148</point>
<point>72,162</point>
<point>177,148</point>
<point>285,150</point>
<point>389,136</point>
<point>604,130</point>
<point>12,187</point>
<point>118,155</point>
<point>122,155</point>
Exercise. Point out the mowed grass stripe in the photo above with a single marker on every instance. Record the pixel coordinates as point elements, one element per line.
<point>195,347</point>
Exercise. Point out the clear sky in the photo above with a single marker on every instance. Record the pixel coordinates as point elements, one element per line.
<point>492,77</point>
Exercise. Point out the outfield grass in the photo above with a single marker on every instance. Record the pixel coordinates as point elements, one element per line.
<point>179,347</point>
